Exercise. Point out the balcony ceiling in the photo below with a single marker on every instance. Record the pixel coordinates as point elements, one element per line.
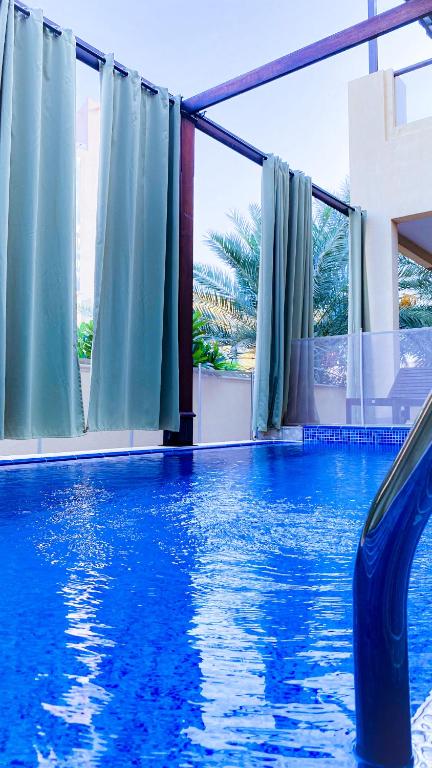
<point>415,239</point>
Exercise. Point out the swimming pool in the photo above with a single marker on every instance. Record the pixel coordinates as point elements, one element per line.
<point>188,609</point>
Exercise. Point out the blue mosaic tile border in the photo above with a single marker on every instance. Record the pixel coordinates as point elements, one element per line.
<point>358,435</point>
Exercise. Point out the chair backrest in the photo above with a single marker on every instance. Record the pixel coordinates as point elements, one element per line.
<point>412,384</point>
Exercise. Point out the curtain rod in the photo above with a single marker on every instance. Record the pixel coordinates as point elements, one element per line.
<point>221,134</point>
<point>412,67</point>
<point>90,56</point>
<point>85,52</point>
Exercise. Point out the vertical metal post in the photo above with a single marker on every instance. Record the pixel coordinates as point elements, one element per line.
<point>187,165</point>
<point>362,406</point>
<point>373,44</point>
<point>199,403</point>
<point>252,382</point>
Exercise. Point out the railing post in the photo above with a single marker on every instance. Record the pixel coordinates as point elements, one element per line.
<point>361,381</point>
<point>187,165</point>
<point>199,403</point>
<point>252,382</point>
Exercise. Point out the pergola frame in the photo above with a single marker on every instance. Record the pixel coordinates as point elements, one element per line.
<point>364,32</point>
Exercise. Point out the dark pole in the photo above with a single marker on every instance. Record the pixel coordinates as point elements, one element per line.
<point>187,164</point>
<point>412,67</point>
<point>348,38</point>
<point>373,44</point>
<point>229,139</point>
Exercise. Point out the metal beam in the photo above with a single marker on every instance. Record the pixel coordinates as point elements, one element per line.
<point>228,139</point>
<point>217,132</point>
<point>360,33</point>
<point>86,53</point>
<point>92,57</point>
<point>413,67</point>
<point>331,200</point>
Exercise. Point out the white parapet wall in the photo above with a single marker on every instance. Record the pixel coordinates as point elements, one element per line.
<point>226,406</point>
<point>223,408</point>
<point>225,416</point>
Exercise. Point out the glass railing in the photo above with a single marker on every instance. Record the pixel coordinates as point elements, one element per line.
<point>413,92</point>
<point>370,378</point>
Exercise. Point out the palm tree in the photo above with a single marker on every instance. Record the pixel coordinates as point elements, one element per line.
<point>226,296</point>
<point>415,291</point>
<point>330,237</point>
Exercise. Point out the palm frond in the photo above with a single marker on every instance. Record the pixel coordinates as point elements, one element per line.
<point>214,279</point>
<point>230,249</point>
<point>417,316</point>
<point>226,295</point>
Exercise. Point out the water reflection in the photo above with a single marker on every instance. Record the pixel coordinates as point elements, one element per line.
<point>125,683</point>
<point>226,628</point>
<point>87,640</point>
<point>272,629</point>
<point>191,611</point>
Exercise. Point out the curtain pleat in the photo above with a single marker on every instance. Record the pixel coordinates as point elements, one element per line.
<point>40,393</point>
<point>283,391</point>
<point>134,382</point>
<point>358,309</point>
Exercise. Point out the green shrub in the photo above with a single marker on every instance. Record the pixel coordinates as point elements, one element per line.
<point>85,334</point>
<point>207,353</point>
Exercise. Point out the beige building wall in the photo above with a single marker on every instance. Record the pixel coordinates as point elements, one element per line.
<point>390,173</point>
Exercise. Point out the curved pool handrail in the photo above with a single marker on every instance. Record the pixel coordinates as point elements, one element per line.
<point>396,520</point>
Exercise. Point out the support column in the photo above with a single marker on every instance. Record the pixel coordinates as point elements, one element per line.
<point>187,164</point>
<point>373,44</point>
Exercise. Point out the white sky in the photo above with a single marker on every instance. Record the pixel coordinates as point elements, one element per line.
<point>190,45</point>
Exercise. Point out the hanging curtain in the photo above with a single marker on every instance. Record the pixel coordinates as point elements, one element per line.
<point>40,393</point>
<point>284,386</point>
<point>135,379</point>
<point>358,309</point>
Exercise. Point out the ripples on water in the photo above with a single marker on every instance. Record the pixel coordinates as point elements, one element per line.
<point>186,610</point>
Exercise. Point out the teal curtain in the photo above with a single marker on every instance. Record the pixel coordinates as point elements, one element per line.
<point>135,380</point>
<point>40,393</point>
<point>284,388</point>
<point>358,309</point>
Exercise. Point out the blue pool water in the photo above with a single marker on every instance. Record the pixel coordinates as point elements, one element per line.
<point>188,609</point>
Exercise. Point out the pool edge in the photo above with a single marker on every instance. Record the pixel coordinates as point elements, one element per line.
<point>35,458</point>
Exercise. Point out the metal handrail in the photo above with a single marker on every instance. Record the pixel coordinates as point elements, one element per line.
<point>397,518</point>
<point>412,67</point>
